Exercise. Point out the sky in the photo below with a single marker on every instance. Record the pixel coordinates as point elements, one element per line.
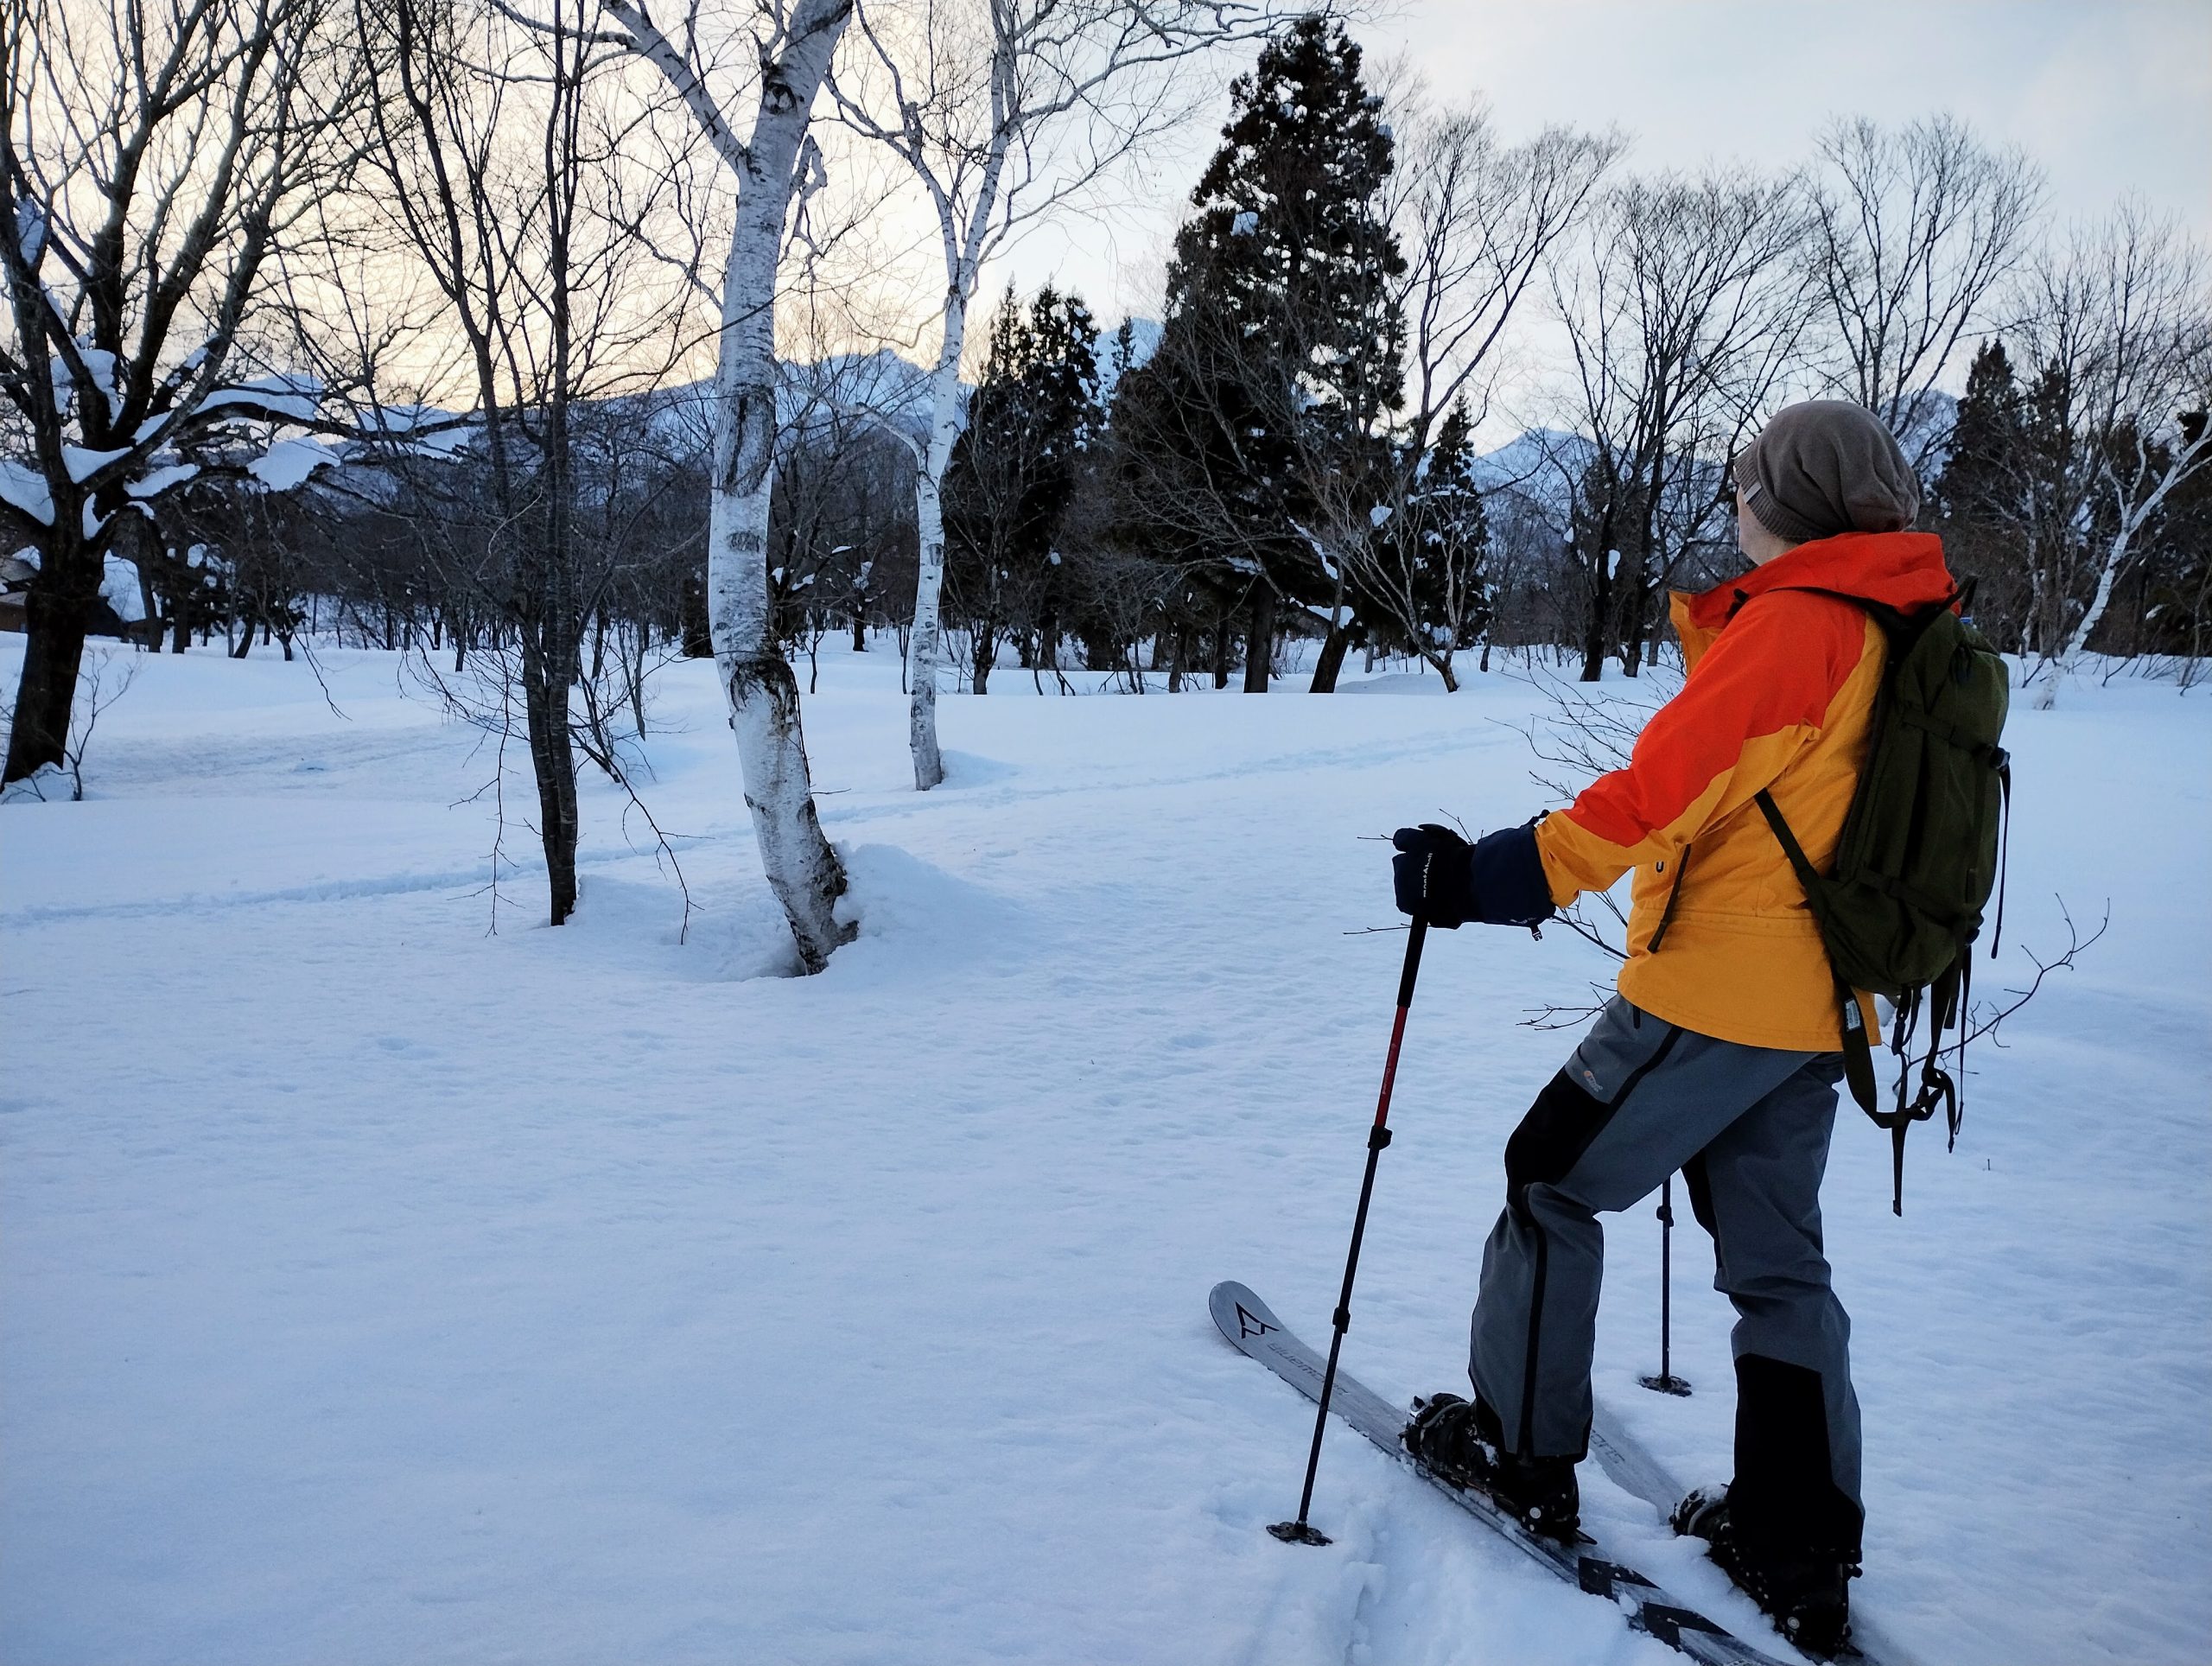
<point>2107,95</point>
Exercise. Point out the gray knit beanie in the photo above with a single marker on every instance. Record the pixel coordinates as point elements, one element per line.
<point>1824,467</point>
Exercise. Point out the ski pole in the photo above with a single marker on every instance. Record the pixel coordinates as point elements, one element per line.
<point>1378,1135</point>
<point>1666,1381</point>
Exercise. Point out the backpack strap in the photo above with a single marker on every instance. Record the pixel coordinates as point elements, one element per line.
<point>1858,1053</point>
<point>2004,850</point>
<point>1946,1007</point>
<point>1799,862</point>
<point>1857,1049</point>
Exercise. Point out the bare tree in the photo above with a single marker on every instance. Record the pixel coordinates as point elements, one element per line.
<point>1006,111</point>
<point>1915,229</point>
<point>153,159</point>
<point>1476,219</point>
<point>497,146</point>
<point>1684,311</point>
<point>2120,334</point>
<point>792,44</point>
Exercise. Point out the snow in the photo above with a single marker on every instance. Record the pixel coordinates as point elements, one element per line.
<point>85,460</point>
<point>120,588</point>
<point>25,489</point>
<point>166,478</point>
<point>99,364</point>
<point>30,232</point>
<point>287,463</point>
<point>378,1288</point>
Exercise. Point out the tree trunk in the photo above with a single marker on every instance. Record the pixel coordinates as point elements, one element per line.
<point>859,632</point>
<point>634,671</point>
<point>801,868</point>
<point>692,620</point>
<point>985,653</point>
<point>55,613</point>
<point>1331,659</point>
<point>924,644</point>
<point>545,706</point>
<point>1325,669</point>
<point>1593,634</point>
<point>1259,641</point>
<point>1221,652</point>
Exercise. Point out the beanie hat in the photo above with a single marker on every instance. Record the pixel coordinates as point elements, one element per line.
<point>1824,467</point>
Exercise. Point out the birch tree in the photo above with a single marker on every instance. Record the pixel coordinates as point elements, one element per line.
<point>153,158</point>
<point>2121,320</point>
<point>1005,111</point>
<point>793,41</point>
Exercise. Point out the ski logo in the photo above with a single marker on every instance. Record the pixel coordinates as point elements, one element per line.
<point>1249,1324</point>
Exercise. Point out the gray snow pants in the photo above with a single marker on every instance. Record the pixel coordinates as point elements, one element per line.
<point>1749,1127</point>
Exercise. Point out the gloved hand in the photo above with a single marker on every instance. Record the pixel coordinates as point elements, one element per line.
<point>1498,879</point>
<point>1433,875</point>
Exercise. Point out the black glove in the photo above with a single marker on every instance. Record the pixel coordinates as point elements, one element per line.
<point>1498,879</point>
<point>1434,877</point>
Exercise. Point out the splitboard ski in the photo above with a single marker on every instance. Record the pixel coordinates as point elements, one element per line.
<point>1252,1326</point>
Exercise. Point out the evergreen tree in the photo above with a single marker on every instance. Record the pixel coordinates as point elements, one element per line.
<point>2176,607</point>
<point>1446,535</point>
<point>1981,502</point>
<point>1281,351</point>
<point>1014,473</point>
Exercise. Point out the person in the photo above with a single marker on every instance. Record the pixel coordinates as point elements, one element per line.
<point>1720,1053</point>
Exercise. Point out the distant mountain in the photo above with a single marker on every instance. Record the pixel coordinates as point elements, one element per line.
<point>1144,341</point>
<point>1526,461</point>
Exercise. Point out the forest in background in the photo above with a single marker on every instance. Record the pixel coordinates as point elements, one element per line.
<point>545,344</point>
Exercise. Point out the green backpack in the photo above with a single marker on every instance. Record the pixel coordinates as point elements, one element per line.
<point>1922,845</point>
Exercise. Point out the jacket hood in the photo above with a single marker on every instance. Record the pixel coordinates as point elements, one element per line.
<point>1904,570</point>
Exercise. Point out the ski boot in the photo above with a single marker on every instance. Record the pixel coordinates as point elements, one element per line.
<point>1805,1591</point>
<point>1461,1443</point>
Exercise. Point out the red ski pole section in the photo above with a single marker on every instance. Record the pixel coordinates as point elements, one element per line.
<point>1390,1068</point>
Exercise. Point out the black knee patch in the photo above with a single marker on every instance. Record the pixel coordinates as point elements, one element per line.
<point>1552,1137</point>
<point>1784,1497</point>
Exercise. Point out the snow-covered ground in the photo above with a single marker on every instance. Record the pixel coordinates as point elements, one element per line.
<point>374,1288</point>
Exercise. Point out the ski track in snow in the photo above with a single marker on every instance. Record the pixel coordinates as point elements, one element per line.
<point>376,1287</point>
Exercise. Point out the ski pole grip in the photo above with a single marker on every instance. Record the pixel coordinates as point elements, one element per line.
<point>1414,939</point>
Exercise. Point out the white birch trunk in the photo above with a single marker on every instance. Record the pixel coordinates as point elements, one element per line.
<point>2132,520</point>
<point>802,870</point>
<point>926,647</point>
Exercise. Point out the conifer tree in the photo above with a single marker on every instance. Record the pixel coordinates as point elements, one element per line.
<point>1440,540</point>
<point>1014,473</point>
<point>1980,501</point>
<point>1281,351</point>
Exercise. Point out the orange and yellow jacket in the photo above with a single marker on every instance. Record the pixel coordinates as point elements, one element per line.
<point>1779,695</point>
